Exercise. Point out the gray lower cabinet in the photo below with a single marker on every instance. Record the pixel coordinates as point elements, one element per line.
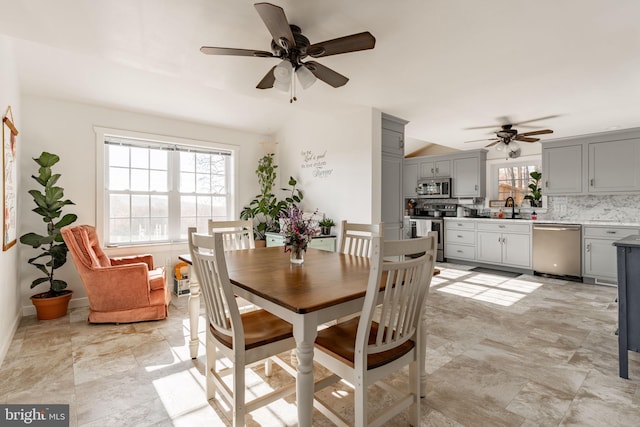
<point>599,254</point>
<point>460,239</point>
<point>505,244</point>
<point>327,243</point>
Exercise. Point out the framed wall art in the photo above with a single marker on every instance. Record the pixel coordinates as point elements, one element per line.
<point>10,180</point>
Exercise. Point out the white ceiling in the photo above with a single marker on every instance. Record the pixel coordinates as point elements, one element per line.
<point>444,65</point>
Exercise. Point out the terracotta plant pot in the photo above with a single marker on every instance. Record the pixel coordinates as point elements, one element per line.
<point>49,308</point>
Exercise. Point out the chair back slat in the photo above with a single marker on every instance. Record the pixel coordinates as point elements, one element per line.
<point>235,234</point>
<point>355,239</point>
<point>406,285</point>
<point>207,255</point>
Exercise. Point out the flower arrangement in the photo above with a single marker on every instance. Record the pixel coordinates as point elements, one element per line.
<point>296,229</point>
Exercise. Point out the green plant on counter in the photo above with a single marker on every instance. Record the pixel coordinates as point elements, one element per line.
<point>49,204</point>
<point>326,222</point>
<point>265,208</point>
<point>536,191</point>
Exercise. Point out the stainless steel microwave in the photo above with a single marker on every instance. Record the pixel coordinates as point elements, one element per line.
<point>434,188</point>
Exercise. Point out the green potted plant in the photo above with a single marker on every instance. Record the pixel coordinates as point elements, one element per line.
<point>325,226</point>
<point>536,191</point>
<point>49,202</point>
<point>265,208</point>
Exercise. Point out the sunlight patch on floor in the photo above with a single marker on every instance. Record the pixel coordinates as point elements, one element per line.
<point>491,288</point>
<point>452,273</point>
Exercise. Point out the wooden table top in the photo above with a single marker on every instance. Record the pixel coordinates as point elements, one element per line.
<point>325,278</point>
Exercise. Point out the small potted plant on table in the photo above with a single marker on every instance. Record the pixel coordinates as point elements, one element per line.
<point>49,203</point>
<point>325,226</point>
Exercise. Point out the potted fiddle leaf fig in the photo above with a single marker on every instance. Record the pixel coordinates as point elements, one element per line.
<point>535,198</point>
<point>49,201</point>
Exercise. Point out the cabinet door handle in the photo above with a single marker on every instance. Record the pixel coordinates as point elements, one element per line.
<point>401,143</point>
<point>459,251</point>
<point>476,187</point>
<point>431,170</point>
<point>546,184</point>
<point>591,181</point>
<point>459,236</point>
<point>502,226</point>
<point>588,247</point>
<point>437,170</point>
<point>611,232</point>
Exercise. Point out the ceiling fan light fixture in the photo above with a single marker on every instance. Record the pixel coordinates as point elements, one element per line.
<point>500,146</point>
<point>306,77</point>
<point>282,72</point>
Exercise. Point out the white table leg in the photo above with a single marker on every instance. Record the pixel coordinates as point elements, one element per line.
<point>194,313</point>
<point>423,362</point>
<point>305,330</point>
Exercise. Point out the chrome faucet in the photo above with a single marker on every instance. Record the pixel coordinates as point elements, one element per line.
<point>509,202</point>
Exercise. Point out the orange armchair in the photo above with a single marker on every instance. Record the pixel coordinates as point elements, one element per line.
<point>120,290</point>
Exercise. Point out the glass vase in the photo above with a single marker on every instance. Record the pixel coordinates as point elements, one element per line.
<point>296,255</point>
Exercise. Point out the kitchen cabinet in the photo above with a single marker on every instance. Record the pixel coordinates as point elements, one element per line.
<point>562,170</point>
<point>506,244</point>
<point>435,169</point>
<point>603,163</point>
<point>326,243</point>
<point>614,166</point>
<point>410,178</point>
<point>459,239</point>
<point>392,175</point>
<point>469,176</point>
<point>599,254</point>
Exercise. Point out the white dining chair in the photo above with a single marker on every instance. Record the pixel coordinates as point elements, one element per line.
<point>244,339</point>
<point>363,351</point>
<point>235,234</point>
<point>355,239</point>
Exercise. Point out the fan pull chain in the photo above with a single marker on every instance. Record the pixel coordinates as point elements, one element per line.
<point>293,89</point>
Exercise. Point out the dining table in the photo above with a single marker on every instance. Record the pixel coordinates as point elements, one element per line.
<point>326,287</point>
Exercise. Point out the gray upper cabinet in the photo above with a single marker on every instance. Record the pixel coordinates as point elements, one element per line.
<point>467,170</point>
<point>614,166</point>
<point>603,163</point>
<point>392,138</point>
<point>562,170</point>
<point>435,169</point>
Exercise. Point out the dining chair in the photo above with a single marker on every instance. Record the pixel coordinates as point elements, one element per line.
<point>244,339</point>
<point>235,234</point>
<point>355,239</point>
<point>363,351</point>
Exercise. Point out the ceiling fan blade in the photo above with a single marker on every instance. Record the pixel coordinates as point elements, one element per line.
<point>535,120</point>
<point>492,144</point>
<point>325,74</point>
<point>526,138</point>
<point>484,139</point>
<point>268,80</point>
<point>352,43</point>
<point>210,50</point>
<point>276,21</point>
<point>536,132</point>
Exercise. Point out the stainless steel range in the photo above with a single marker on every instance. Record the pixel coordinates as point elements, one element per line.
<point>429,217</point>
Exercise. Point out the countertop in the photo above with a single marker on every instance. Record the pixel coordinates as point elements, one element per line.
<point>603,223</point>
<point>629,241</point>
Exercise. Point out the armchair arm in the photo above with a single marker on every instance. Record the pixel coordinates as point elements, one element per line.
<point>146,258</point>
<point>118,287</point>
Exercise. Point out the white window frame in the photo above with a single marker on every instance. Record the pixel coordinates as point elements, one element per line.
<point>500,163</point>
<point>102,132</point>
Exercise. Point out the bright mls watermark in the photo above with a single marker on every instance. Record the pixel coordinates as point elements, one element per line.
<point>34,415</point>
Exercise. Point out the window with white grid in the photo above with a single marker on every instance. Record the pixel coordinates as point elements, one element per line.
<point>155,190</point>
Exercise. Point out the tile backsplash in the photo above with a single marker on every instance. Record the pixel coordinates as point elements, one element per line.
<point>618,208</point>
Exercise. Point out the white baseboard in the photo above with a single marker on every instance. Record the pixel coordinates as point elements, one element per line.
<point>8,338</point>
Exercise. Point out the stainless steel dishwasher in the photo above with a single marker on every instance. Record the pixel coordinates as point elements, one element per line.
<point>557,249</point>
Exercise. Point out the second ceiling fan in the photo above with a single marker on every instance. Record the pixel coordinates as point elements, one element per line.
<point>507,133</point>
<point>291,47</point>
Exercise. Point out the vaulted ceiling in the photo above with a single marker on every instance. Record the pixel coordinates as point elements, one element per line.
<point>442,65</point>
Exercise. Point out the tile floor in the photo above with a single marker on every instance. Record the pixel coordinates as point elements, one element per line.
<point>525,351</point>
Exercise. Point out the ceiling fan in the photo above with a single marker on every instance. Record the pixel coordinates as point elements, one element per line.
<point>508,134</point>
<point>291,47</point>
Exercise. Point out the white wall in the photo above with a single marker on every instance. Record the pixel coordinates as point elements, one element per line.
<point>10,300</point>
<point>66,129</point>
<point>331,156</point>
